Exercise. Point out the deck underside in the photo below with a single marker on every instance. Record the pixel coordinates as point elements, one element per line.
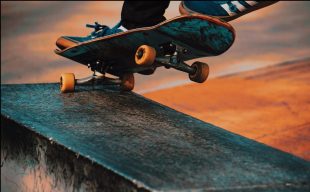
<point>200,37</point>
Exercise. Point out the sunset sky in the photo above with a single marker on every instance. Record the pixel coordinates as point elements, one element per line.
<point>29,30</point>
<point>270,105</point>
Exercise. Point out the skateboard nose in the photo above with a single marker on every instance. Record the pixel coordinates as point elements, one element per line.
<point>64,42</point>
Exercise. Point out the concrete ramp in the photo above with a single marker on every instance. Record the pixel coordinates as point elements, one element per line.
<point>99,138</point>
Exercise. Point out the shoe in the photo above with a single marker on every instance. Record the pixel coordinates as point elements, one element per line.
<point>225,10</point>
<point>99,31</point>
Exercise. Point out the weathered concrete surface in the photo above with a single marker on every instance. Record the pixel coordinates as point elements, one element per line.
<point>103,139</point>
<point>273,102</point>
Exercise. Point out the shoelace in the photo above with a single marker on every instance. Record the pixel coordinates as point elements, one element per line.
<point>97,27</point>
<point>104,30</point>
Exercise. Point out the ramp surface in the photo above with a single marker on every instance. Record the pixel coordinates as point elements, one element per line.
<point>146,144</point>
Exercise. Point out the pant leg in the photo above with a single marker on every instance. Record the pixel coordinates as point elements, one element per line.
<point>143,13</point>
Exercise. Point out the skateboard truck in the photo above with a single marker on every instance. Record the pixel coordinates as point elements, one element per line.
<point>68,81</point>
<point>168,56</point>
<point>96,79</point>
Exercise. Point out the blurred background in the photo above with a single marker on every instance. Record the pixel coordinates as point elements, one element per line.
<point>270,103</point>
<point>29,30</point>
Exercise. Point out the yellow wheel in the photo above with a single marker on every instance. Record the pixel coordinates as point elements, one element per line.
<point>67,82</point>
<point>145,55</point>
<point>128,82</point>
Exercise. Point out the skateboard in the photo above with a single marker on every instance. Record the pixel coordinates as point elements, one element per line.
<point>168,44</point>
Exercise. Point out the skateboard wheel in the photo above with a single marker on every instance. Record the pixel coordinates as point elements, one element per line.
<point>128,82</point>
<point>145,55</point>
<point>67,82</point>
<point>201,72</point>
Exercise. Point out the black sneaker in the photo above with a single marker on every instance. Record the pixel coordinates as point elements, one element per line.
<point>225,10</point>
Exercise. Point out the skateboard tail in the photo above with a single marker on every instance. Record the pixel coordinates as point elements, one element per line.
<point>205,37</point>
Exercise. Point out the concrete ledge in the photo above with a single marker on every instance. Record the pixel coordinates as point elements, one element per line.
<point>34,163</point>
<point>103,139</point>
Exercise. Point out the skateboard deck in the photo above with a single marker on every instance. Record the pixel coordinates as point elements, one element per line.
<point>199,35</point>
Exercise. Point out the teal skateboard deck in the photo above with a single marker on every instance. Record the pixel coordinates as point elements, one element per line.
<point>174,41</point>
